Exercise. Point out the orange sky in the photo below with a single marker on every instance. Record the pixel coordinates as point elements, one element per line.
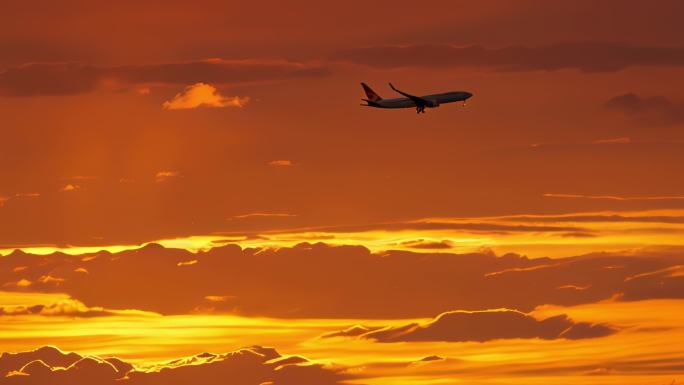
<point>210,125</point>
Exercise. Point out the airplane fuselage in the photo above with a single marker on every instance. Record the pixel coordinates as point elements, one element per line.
<point>435,99</point>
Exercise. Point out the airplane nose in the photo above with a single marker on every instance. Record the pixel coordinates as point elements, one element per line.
<point>468,95</point>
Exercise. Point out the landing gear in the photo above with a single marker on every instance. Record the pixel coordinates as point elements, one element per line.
<point>420,109</point>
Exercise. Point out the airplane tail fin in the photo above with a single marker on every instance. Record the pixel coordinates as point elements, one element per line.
<point>372,95</point>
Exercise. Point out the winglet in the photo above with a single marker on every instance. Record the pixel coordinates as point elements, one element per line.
<point>401,92</point>
<point>412,97</point>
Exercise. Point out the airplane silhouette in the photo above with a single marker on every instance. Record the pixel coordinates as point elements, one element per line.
<point>411,101</point>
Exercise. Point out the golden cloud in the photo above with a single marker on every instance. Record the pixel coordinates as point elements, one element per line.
<point>70,187</point>
<point>203,95</point>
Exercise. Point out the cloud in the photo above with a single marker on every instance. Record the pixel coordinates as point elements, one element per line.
<point>581,56</point>
<point>671,271</point>
<point>65,307</point>
<point>481,326</point>
<point>3,200</point>
<point>426,244</point>
<point>81,177</point>
<point>302,281</point>
<point>654,110</point>
<point>573,287</point>
<point>27,195</point>
<point>49,355</point>
<point>625,140</point>
<point>19,284</point>
<point>620,140</point>
<point>247,366</point>
<point>48,279</point>
<point>70,187</point>
<point>187,263</point>
<point>75,78</point>
<point>615,197</point>
<point>218,298</point>
<point>636,217</point>
<point>280,163</point>
<point>163,176</point>
<point>203,95</point>
<point>352,331</point>
<point>472,225</point>
<point>664,282</point>
<point>264,215</point>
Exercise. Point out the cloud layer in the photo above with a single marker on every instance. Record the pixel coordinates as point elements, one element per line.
<point>601,57</point>
<point>66,308</point>
<point>73,78</point>
<point>481,326</point>
<point>312,280</point>
<point>249,366</point>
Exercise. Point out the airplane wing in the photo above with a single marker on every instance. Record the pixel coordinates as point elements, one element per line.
<point>416,99</point>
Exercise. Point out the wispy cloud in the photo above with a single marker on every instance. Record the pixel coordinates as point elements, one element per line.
<point>80,177</point>
<point>264,215</point>
<point>620,140</point>
<point>616,197</point>
<point>163,176</point>
<point>5,199</point>
<point>280,163</point>
<point>27,195</point>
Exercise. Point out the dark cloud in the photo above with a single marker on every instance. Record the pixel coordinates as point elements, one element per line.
<point>430,245</point>
<point>658,283</point>
<point>653,110</point>
<point>49,355</point>
<point>312,280</point>
<point>248,366</point>
<point>352,331</point>
<point>481,326</point>
<point>73,78</point>
<point>593,57</point>
<point>16,52</point>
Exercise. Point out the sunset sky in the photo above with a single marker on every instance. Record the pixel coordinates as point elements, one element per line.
<point>184,177</point>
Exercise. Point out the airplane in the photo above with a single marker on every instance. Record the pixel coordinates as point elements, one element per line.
<point>411,101</point>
